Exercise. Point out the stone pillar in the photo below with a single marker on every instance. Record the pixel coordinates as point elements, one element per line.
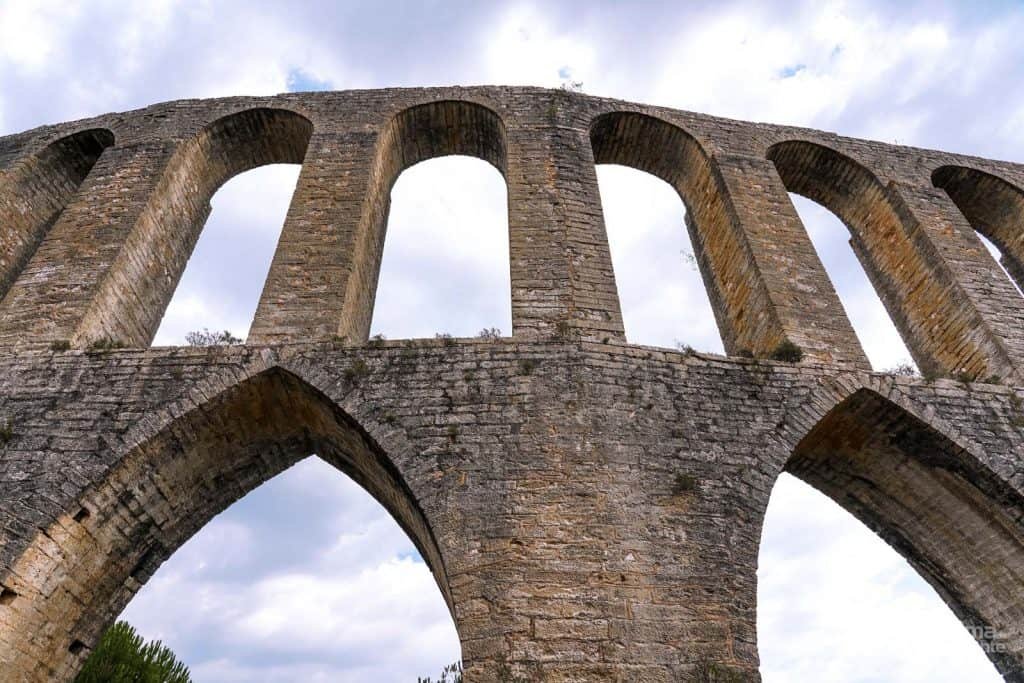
<point>323,278</point>
<point>56,296</point>
<point>775,257</point>
<point>979,330</point>
<point>562,280</point>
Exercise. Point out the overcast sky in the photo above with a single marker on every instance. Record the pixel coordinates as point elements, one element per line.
<point>307,578</point>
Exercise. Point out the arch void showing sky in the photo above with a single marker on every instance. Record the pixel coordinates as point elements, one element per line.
<point>836,604</point>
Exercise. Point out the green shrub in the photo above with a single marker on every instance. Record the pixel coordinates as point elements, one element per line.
<point>356,371</point>
<point>903,369</point>
<point>489,334</point>
<point>106,344</point>
<point>685,483</point>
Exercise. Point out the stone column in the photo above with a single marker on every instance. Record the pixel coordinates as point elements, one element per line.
<point>562,280</point>
<point>323,278</point>
<point>978,331</point>
<point>774,257</point>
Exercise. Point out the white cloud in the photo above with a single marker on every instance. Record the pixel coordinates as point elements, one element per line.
<point>231,600</point>
<point>362,603</point>
<point>446,265</point>
<point>661,292</point>
<point>835,604</point>
<point>524,49</point>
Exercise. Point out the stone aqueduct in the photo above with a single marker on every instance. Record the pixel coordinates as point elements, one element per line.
<point>591,510</point>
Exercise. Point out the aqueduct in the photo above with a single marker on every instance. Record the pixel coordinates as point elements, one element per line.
<point>591,509</point>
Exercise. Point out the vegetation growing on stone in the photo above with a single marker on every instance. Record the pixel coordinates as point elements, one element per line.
<point>787,352</point>
<point>685,483</point>
<point>106,344</point>
<point>356,371</point>
<point>903,369</point>
<point>489,334</point>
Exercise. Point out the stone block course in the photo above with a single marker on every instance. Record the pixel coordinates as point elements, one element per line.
<point>590,509</point>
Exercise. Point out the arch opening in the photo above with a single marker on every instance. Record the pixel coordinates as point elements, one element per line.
<point>445,263</point>
<point>163,491</point>
<point>875,330</point>
<point>660,149</point>
<point>914,290</point>
<point>994,208</point>
<point>835,603</point>
<point>661,292</point>
<point>157,250</point>
<point>933,502</point>
<point>245,221</point>
<point>438,281</point>
<point>34,194</point>
<point>306,577</point>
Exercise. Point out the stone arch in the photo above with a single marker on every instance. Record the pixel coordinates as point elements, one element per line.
<point>931,498</point>
<point>993,206</point>
<point>184,466</point>
<point>161,241</point>
<point>34,193</point>
<point>668,152</point>
<point>413,135</point>
<point>918,291</point>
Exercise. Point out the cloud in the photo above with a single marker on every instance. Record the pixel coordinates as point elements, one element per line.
<point>836,604</point>
<point>356,597</point>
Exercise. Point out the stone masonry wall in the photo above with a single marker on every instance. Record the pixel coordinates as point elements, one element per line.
<point>591,510</point>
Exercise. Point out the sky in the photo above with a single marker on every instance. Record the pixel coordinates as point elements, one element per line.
<point>307,578</point>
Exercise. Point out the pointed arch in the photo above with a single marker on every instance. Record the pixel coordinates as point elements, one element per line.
<point>187,464</point>
<point>34,193</point>
<point>935,502</point>
<point>993,206</point>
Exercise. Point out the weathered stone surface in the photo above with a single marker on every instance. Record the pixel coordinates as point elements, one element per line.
<point>591,510</point>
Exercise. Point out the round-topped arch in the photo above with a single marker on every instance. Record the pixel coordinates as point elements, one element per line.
<point>920,293</point>
<point>413,135</point>
<point>131,300</point>
<point>668,152</point>
<point>34,192</point>
<point>993,206</point>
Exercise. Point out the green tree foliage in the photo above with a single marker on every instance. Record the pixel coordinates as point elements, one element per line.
<point>123,656</point>
<point>207,338</point>
<point>450,674</point>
